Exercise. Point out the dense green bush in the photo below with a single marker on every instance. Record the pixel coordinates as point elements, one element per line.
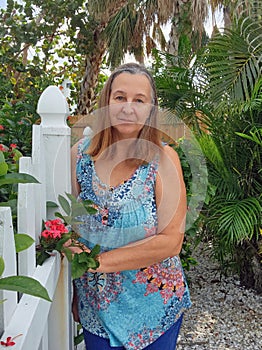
<point>219,95</point>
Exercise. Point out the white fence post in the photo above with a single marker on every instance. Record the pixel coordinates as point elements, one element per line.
<point>31,206</point>
<point>42,325</point>
<point>7,251</point>
<point>53,110</point>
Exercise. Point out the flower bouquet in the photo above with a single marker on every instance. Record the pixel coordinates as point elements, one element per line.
<point>61,235</point>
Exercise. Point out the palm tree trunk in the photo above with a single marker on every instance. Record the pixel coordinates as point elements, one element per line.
<point>250,266</point>
<point>174,35</point>
<point>188,17</point>
<point>94,57</point>
<point>227,17</point>
<point>87,96</point>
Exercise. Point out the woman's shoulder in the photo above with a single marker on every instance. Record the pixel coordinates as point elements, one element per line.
<point>170,154</point>
<point>82,145</point>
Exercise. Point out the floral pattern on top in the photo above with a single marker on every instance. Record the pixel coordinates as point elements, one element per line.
<point>165,280</point>
<point>102,288</point>
<point>118,305</point>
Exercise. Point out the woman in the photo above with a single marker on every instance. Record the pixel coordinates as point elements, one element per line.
<point>137,296</point>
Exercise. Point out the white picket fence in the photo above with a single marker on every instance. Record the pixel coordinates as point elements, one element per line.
<point>41,325</point>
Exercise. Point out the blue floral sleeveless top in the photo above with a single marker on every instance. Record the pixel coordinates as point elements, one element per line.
<point>132,308</point>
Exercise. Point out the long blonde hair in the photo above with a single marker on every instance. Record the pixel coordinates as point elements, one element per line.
<point>103,136</point>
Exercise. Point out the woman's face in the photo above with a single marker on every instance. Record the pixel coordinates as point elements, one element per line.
<point>130,103</point>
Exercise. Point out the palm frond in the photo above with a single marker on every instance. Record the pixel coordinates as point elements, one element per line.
<point>119,32</point>
<point>213,154</point>
<point>234,61</point>
<point>236,220</point>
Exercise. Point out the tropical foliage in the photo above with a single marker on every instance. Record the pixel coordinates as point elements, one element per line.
<point>22,284</point>
<point>215,89</point>
<point>220,95</point>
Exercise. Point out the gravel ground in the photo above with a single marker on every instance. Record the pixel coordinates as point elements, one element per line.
<point>223,316</point>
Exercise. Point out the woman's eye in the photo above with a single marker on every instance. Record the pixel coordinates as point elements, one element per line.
<point>119,98</point>
<point>139,100</point>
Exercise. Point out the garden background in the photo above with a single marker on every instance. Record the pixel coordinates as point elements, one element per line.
<point>212,82</point>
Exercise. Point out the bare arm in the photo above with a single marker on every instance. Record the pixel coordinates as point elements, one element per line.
<point>171,208</point>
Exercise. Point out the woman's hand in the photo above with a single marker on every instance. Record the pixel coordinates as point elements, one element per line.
<point>76,247</point>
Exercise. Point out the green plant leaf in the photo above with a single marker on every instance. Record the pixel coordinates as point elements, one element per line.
<point>50,204</point>
<point>95,251</point>
<point>64,204</point>
<point>24,284</point>
<point>78,209</point>
<point>77,269</point>
<point>78,339</point>
<point>67,253</point>
<point>2,265</point>
<point>3,168</point>
<point>62,241</point>
<point>91,210</point>
<point>15,178</point>
<point>22,242</point>
<point>236,219</point>
<point>41,257</point>
<point>59,215</point>
<point>71,197</point>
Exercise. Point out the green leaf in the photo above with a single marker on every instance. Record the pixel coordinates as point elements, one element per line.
<point>95,251</point>
<point>87,202</point>
<point>78,339</point>
<point>50,204</point>
<point>62,241</point>
<point>2,157</point>
<point>64,204</point>
<point>71,197</point>
<point>91,210</point>
<point>77,269</point>
<point>3,168</point>
<point>83,257</point>
<point>59,215</point>
<point>92,263</point>
<point>24,284</point>
<point>68,253</point>
<point>66,219</point>
<point>78,209</point>
<point>15,178</point>
<point>2,265</point>
<point>22,242</point>
<point>41,257</point>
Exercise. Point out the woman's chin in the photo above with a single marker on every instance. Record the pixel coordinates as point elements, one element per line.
<point>127,130</point>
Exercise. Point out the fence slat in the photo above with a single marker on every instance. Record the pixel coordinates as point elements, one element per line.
<point>32,311</point>
<point>26,209</point>
<point>43,325</point>
<point>7,251</point>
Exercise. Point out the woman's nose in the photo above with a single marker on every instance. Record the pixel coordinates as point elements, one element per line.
<point>128,108</point>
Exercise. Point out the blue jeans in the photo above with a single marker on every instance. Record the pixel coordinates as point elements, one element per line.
<point>167,341</point>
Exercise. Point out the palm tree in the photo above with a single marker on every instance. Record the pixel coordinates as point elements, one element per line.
<point>233,64</point>
<point>91,37</point>
<point>235,9</point>
<point>120,29</point>
<point>223,90</point>
<point>188,20</point>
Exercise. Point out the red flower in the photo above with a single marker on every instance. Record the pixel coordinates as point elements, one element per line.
<point>13,145</point>
<point>3,148</point>
<point>2,127</point>
<point>54,229</point>
<point>9,342</point>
